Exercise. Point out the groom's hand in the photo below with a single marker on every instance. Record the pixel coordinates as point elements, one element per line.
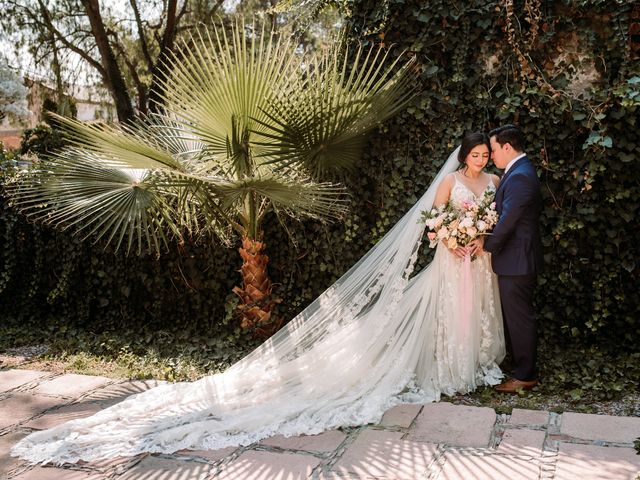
<point>476,246</point>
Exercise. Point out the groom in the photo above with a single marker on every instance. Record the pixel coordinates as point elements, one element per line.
<point>516,251</point>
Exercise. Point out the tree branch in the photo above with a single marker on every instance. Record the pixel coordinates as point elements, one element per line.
<point>170,29</point>
<point>143,36</point>
<point>215,8</point>
<point>140,86</point>
<point>59,36</point>
<point>113,75</point>
<point>183,10</point>
<point>159,73</point>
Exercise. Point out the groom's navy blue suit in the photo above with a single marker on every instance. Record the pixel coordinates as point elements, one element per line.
<point>516,257</point>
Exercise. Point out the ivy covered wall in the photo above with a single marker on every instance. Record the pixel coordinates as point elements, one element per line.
<point>566,71</point>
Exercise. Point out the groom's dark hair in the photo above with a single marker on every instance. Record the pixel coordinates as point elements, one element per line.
<point>509,134</point>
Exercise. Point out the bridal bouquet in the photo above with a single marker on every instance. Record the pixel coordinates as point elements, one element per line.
<point>457,226</point>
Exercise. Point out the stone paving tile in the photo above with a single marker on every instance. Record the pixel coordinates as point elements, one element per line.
<point>156,468</point>
<point>532,418</point>
<point>324,442</point>
<point>70,385</point>
<point>211,455</point>
<point>10,379</point>
<point>456,425</point>
<point>108,463</point>
<point>342,476</point>
<point>590,462</point>
<point>22,406</point>
<point>256,465</point>
<point>115,393</point>
<point>64,414</point>
<point>375,454</point>
<point>52,473</point>
<point>460,465</point>
<point>518,441</point>
<point>400,415</point>
<point>7,462</point>
<point>382,454</point>
<point>600,427</point>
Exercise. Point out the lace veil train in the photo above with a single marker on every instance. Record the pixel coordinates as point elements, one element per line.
<point>358,349</point>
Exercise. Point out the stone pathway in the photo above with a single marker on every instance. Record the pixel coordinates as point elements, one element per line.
<point>439,441</point>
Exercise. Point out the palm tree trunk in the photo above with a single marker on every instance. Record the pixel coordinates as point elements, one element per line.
<point>256,302</point>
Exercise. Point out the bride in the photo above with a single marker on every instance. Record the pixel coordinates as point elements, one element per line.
<point>374,339</point>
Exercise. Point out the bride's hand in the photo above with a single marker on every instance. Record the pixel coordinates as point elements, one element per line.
<point>459,252</point>
<point>476,247</point>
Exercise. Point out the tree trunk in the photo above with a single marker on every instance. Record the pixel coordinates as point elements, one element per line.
<point>159,72</point>
<point>256,302</point>
<point>113,75</point>
<point>55,66</point>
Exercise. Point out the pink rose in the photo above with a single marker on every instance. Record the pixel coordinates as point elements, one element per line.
<point>431,236</point>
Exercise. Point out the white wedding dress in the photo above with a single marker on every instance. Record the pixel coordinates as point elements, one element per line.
<point>374,339</point>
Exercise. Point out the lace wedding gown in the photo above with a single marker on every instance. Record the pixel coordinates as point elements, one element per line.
<point>374,339</point>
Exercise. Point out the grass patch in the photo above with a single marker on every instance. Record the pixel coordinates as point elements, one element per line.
<point>124,365</point>
<point>163,355</point>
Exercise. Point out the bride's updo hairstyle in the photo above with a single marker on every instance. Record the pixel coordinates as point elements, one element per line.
<point>469,142</point>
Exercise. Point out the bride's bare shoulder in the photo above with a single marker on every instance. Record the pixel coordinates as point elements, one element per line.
<point>444,189</point>
<point>449,179</point>
<point>495,179</point>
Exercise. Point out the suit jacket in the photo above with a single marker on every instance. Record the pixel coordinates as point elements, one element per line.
<point>515,244</point>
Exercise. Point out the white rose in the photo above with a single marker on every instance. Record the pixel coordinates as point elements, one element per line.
<point>466,222</point>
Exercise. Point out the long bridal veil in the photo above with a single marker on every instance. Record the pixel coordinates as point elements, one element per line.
<point>361,347</point>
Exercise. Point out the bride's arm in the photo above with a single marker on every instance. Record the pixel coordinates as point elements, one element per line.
<point>442,198</point>
<point>444,191</point>
<point>496,180</point>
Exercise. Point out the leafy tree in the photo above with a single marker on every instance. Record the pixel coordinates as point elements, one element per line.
<point>13,95</point>
<point>249,127</point>
<point>128,50</point>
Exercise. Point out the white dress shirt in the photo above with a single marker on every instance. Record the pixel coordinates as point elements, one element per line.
<point>510,164</point>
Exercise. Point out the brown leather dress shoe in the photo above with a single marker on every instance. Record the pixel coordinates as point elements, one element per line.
<point>513,385</point>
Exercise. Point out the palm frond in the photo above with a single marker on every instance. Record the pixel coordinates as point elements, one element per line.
<point>221,83</point>
<point>131,146</point>
<point>135,208</point>
<point>323,127</point>
<point>298,197</point>
<point>102,202</point>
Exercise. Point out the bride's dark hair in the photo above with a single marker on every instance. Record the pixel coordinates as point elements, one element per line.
<point>469,142</point>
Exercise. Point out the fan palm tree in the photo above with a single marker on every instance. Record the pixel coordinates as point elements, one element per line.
<point>250,125</point>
